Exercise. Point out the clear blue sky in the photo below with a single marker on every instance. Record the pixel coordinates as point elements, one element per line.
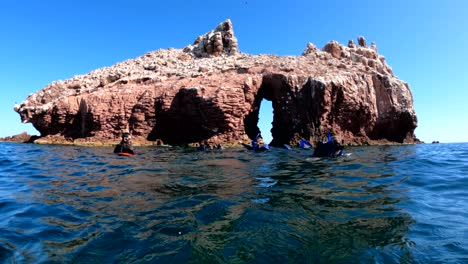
<point>424,41</point>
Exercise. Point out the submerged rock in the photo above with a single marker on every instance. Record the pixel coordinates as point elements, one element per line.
<point>210,91</point>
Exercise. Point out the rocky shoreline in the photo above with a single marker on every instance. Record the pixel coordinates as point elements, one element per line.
<point>59,140</point>
<point>210,91</point>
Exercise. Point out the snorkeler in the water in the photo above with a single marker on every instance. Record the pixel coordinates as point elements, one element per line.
<point>328,148</point>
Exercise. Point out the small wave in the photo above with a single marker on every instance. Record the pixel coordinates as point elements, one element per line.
<point>381,204</point>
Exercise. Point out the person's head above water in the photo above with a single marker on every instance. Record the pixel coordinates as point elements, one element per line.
<point>260,140</point>
<point>126,137</point>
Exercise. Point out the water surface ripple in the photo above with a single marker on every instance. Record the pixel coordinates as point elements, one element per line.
<point>390,204</point>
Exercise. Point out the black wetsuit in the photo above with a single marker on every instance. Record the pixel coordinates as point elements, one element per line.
<point>328,149</point>
<point>123,147</point>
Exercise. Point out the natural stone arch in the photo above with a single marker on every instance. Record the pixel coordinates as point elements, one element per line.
<point>289,122</point>
<point>349,91</point>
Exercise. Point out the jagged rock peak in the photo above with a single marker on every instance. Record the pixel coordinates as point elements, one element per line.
<point>362,54</point>
<point>362,42</point>
<point>311,49</point>
<point>216,42</point>
<point>334,48</point>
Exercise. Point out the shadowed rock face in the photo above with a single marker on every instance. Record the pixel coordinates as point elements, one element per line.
<point>211,91</point>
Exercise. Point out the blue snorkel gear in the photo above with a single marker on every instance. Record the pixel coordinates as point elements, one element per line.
<point>254,142</point>
<point>304,144</point>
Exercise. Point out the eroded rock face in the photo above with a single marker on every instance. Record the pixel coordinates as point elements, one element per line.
<point>211,91</point>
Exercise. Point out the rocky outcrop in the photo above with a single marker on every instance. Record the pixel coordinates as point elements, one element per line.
<point>211,91</point>
<point>23,137</point>
<point>216,42</point>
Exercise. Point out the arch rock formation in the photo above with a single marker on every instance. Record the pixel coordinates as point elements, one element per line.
<point>210,91</point>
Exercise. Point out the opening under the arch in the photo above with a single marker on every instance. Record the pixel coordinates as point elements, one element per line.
<point>265,120</point>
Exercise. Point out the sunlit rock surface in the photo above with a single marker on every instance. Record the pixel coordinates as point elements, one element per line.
<point>211,91</point>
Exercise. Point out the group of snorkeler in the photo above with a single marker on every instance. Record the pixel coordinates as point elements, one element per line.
<point>206,146</point>
<point>328,147</point>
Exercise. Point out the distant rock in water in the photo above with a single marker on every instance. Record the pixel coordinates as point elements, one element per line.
<point>23,137</point>
<point>210,91</point>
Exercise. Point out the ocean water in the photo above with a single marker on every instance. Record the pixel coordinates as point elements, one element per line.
<point>386,204</point>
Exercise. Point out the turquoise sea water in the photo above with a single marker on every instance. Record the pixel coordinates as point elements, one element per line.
<point>388,204</point>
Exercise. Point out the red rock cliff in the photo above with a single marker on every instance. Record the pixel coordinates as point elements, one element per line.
<point>211,91</point>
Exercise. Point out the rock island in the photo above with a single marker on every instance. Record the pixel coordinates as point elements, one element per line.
<point>210,91</point>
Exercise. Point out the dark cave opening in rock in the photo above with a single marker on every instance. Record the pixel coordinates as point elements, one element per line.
<point>190,119</point>
<point>251,120</point>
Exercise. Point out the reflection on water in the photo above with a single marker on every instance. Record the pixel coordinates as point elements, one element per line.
<point>174,205</point>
